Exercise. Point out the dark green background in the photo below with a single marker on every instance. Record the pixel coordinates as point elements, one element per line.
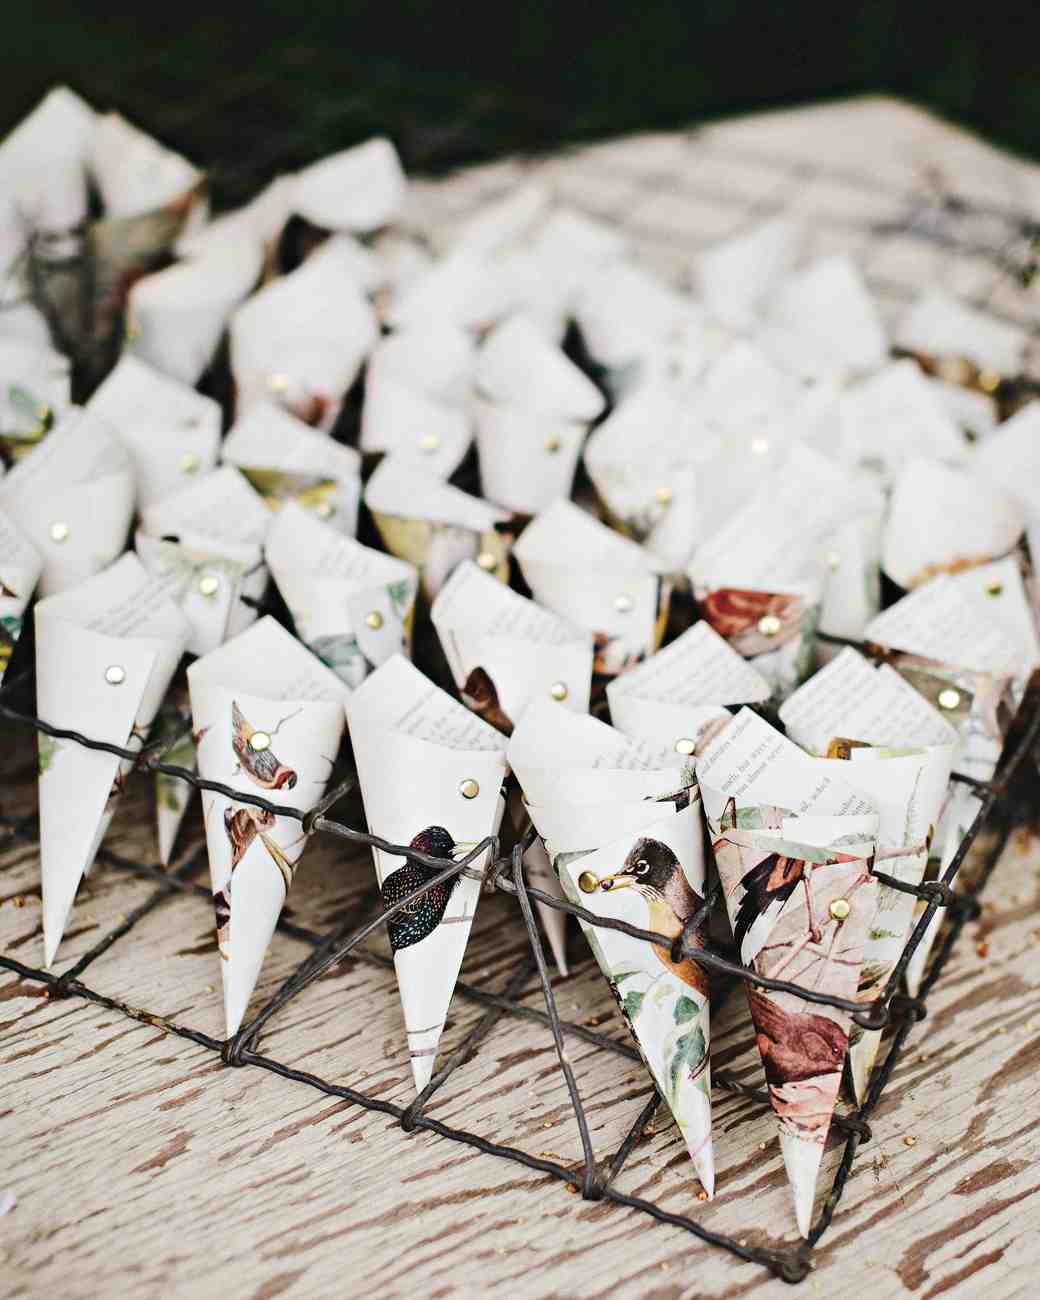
<point>274,85</point>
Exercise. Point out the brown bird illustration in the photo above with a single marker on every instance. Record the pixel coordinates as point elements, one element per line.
<point>259,764</point>
<point>654,872</point>
<point>242,825</point>
<point>481,695</point>
<point>795,1045</point>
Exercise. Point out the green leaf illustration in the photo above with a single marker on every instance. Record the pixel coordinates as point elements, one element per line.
<point>48,748</point>
<point>633,1004</point>
<point>685,1009</point>
<point>689,1054</point>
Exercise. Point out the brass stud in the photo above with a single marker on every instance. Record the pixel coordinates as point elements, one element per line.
<point>587,883</point>
<point>59,531</point>
<point>278,383</point>
<point>833,560</point>
<point>623,604</point>
<point>949,698</point>
<point>189,463</point>
<point>259,741</point>
<point>324,509</point>
<point>487,561</point>
<point>989,381</point>
<point>209,584</point>
<point>374,620</point>
<point>769,625</point>
<point>684,745</point>
<point>115,674</point>
<point>469,789</point>
<point>552,443</point>
<point>663,495</point>
<point>429,442</point>
<point>558,690</point>
<point>840,909</point>
<point>994,588</point>
<point>759,445</point>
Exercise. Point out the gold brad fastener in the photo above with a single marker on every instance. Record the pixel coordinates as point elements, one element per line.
<point>324,509</point>
<point>769,625</point>
<point>115,674</point>
<point>558,690</point>
<point>189,463</point>
<point>587,883</point>
<point>949,698</point>
<point>59,531</point>
<point>994,588</point>
<point>684,745</point>
<point>278,383</point>
<point>487,561</point>
<point>469,789</point>
<point>663,495</point>
<point>209,584</point>
<point>429,442</point>
<point>552,443</point>
<point>840,909</point>
<point>759,445</point>
<point>623,604</point>
<point>259,741</point>
<point>374,620</point>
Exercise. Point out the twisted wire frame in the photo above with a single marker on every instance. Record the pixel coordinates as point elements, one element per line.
<point>505,873</point>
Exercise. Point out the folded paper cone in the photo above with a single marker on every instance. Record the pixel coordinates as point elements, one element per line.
<point>268,718</point>
<point>105,653</point>
<point>431,775</point>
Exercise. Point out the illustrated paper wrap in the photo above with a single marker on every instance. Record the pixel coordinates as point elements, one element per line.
<point>20,568</point>
<point>623,829</point>
<point>431,778</point>
<point>301,339</point>
<point>352,606</point>
<point>268,719</point>
<point>435,526</point>
<point>206,544</point>
<point>106,651</point>
<point>794,849</point>
<point>678,697</point>
<point>533,407</point>
<point>284,460</point>
<point>72,497</point>
<point>599,580</point>
<point>35,388</point>
<point>171,432</point>
<point>505,651</point>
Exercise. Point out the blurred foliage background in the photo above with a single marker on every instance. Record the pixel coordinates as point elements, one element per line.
<point>268,86</point>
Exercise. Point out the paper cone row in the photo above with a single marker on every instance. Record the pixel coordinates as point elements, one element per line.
<point>431,775</point>
<point>353,607</point>
<point>105,653</point>
<point>625,835</point>
<point>505,651</point>
<point>72,497</point>
<point>268,719</point>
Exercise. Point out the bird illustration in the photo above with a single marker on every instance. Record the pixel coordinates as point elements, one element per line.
<point>259,764</point>
<point>422,916</point>
<point>481,695</point>
<point>795,1045</point>
<point>773,880</point>
<point>654,872</point>
<point>241,825</point>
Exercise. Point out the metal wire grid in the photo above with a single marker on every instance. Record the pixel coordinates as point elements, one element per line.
<point>593,1180</point>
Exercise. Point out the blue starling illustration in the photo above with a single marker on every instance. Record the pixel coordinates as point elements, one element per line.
<point>423,915</point>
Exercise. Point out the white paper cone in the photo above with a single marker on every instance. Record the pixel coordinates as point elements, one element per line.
<point>428,770</point>
<point>105,654</point>
<point>358,189</point>
<point>414,426</point>
<point>736,275</point>
<point>940,326</point>
<point>134,173</point>
<point>43,161</point>
<point>436,359</point>
<point>262,685</point>
<point>527,459</point>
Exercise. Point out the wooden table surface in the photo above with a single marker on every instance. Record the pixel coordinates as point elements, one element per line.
<point>141,1166</point>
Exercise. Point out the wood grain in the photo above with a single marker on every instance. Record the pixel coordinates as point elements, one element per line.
<point>144,1167</point>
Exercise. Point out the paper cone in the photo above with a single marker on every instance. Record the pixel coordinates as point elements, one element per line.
<point>358,189</point>
<point>434,359</point>
<point>105,653</point>
<point>677,697</point>
<point>171,432</point>
<point>302,338</point>
<point>1009,458</point>
<point>20,568</point>
<point>896,416</point>
<point>72,497</point>
<point>283,459</point>
<point>36,391</point>
<point>597,579</point>
<point>414,426</point>
<point>431,776</point>
<point>206,543</point>
<point>43,161</point>
<point>353,607</point>
<point>176,317</point>
<point>736,275</point>
<point>501,222</point>
<point>505,651</point>
<point>268,718</point>
<point>433,525</point>
<point>134,173</point>
<point>945,333</point>
<point>463,289</point>
<point>172,794</point>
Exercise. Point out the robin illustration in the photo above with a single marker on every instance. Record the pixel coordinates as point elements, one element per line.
<point>423,915</point>
<point>259,763</point>
<point>655,873</point>
<point>795,1045</point>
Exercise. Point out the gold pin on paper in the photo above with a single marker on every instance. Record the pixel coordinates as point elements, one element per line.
<point>259,741</point>
<point>115,674</point>
<point>374,620</point>
<point>840,909</point>
<point>487,562</point>
<point>949,698</point>
<point>209,584</point>
<point>684,745</point>
<point>769,625</point>
<point>59,531</point>
<point>429,442</point>
<point>623,604</point>
<point>469,789</point>
<point>558,690</point>
<point>189,463</point>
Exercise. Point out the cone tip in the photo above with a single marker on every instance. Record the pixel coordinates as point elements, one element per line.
<point>422,1070</point>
